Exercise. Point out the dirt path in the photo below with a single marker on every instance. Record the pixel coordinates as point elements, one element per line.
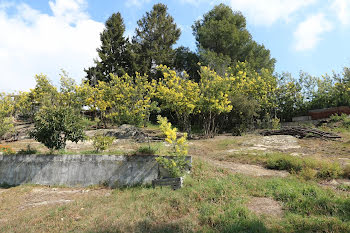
<point>247,169</point>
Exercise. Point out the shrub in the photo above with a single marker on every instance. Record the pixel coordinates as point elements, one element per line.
<point>346,171</point>
<point>101,142</point>
<point>147,150</point>
<point>54,125</point>
<point>308,173</point>
<point>6,150</point>
<point>329,171</point>
<point>28,151</point>
<point>176,166</point>
<point>285,162</point>
<point>344,187</point>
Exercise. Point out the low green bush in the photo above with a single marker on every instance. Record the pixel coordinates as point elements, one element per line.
<point>101,143</point>
<point>28,151</point>
<point>147,150</point>
<point>308,173</point>
<point>329,171</point>
<point>307,168</point>
<point>285,162</point>
<point>346,171</point>
<point>6,150</point>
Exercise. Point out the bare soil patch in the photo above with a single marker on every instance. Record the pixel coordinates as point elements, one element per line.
<point>276,142</point>
<point>265,206</point>
<point>250,170</point>
<point>56,196</point>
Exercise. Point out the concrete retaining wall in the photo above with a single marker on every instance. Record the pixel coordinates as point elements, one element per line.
<point>78,170</point>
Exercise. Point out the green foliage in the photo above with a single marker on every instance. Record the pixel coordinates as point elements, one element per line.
<point>306,168</point>
<point>6,111</point>
<point>213,99</point>
<point>284,162</point>
<point>176,166</point>
<point>344,187</point>
<point>223,40</point>
<point>177,94</point>
<point>155,35</point>
<point>28,151</point>
<point>186,60</point>
<point>329,171</point>
<point>129,99</point>
<point>115,54</point>
<point>7,150</point>
<point>54,125</point>
<point>101,143</point>
<point>147,150</point>
<point>308,173</point>
<point>346,171</point>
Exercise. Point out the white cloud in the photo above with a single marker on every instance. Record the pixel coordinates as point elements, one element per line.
<point>268,12</point>
<point>308,32</point>
<point>137,3</point>
<point>342,10</point>
<point>33,42</point>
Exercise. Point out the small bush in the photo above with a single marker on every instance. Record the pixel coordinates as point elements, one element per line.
<point>329,171</point>
<point>346,171</point>
<point>101,142</point>
<point>285,162</point>
<point>344,187</point>
<point>54,125</point>
<point>147,150</point>
<point>6,150</point>
<point>308,173</point>
<point>28,151</point>
<point>176,166</point>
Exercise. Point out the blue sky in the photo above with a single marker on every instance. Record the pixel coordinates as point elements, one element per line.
<point>46,36</point>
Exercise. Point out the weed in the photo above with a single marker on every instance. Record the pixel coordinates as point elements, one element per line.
<point>329,171</point>
<point>6,150</point>
<point>28,151</point>
<point>344,187</point>
<point>346,171</point>
<point>284,162</point>
<point>147,150</point>
<point>308,173</point>
<point>101,142</point>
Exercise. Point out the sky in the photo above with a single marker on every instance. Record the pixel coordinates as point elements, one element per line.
<point>44,37</point>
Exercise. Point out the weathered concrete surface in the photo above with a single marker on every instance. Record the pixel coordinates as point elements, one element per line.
<point>78,170</point>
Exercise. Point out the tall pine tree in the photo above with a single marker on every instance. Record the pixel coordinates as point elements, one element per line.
<point>115,55</point>
<point>223,39</point>
<point>155,35</point>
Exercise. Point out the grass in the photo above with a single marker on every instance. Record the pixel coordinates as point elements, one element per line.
<point>212,200</point>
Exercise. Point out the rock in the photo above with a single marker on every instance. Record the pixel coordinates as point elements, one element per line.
<point>127,132</point>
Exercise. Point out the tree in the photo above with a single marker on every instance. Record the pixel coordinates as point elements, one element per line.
<point>223,32</point>
<point>130,99</point>
<point>188,61</point>
<point>213,99</point>
<point>179,95</point>
<point>155,35</point>
<point>115,55</point>
<point>54,125</point>
<point>6,110</point>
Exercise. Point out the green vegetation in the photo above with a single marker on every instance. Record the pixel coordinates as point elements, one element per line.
<point>54,125</point>
<point>176,166</point>
<point>6,150</point>
<point>115,54</point>
<point>147,150</point>
<point>223,40</point>
<point>101,142</point>
<point>212,200</point>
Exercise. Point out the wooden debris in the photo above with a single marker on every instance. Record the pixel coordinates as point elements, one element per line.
<point>301,132</point>
<point>175,183</point>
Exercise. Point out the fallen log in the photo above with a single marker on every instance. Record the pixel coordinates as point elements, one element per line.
<point>301,132</point>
